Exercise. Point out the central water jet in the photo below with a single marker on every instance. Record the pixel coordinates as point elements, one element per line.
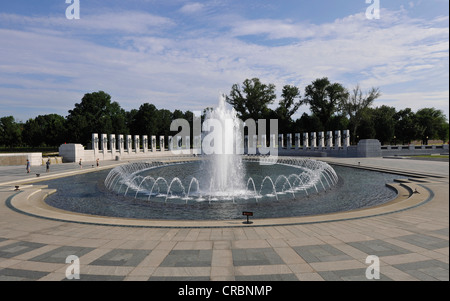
<point>221,143</point>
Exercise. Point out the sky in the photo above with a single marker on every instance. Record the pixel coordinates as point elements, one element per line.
<point>179,54</point>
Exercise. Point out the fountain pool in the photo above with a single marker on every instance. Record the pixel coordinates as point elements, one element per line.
<point>88,194</point>
<point>221,184</point>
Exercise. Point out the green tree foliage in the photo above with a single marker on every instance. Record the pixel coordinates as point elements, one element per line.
<point>145,120</point>
<point>307,123</point>
<point>384,123</point>
<point>324,99</point>
<point>332,108</point>
<point>288,106</point>
<point>95,113</point>
<point>45,130</point>
<point>10,132</point>
<point>407,128</point>
<point>251,100</point>
<point>434,123</point>
<point>355,106</point>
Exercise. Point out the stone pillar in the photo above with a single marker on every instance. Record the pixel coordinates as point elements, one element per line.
<point>197,145</point>
<point>112,144</point>
<point>170,142</point>
<point>297,140</point>
<point>153,143</point>
<point>321,137</point>
<point>188,143</point>
<point>280,141</point>
<point>273,141</point>
<point>313,140</point>
<point>346,138</point>
<point>129,142</point>
<point>251,146</point>
<point>337,138</point>
<point>121,142</point>
<point>162,145</point>
<point>305,140</point>
<point>255,142</point>
<point>95,143</point>
<point>137,145</point>
<point>264,141</point>
<point>289,141</point>
<point>104,142</point>
<point>145,143</point>
<point>179,143</point>
<point>329,139</point>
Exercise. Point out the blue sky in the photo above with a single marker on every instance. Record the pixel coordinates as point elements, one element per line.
<point>181,54</point>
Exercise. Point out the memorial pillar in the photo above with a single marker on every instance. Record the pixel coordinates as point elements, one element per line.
<point>346,138</point>
<point>145,143</point>
<point>297,140</point>
<point>162,146</point>
<point>129,144</point>
<point>305,140</point>
<point>337,138</point>
<point>321,140</point>
<point>329,139</point>
<point>313,140</point>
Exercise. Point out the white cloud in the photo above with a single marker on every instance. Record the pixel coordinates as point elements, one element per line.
<point>109,22</point>
<point>53,58</point>
<point>416,100</point>
<point>193,7</point>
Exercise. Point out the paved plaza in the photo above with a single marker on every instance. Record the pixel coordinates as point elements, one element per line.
<point>410,237</point>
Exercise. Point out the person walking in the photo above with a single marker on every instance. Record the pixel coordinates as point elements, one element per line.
<point>98,162</point>
<point>48,165</point>
<point>81,164</point>
<point>28,166</point>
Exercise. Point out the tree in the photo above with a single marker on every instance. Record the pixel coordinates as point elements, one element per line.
<point>145,120</point>
<point>252,99</point>
<point>95,113</point>
<point>406,127</point>
<point>287,107</point>
<point>324,99</point>
<point>45,130</point>
<point>366,128</point>
<point>355,106</point>
<point>384,123</point>
<point>434,123</point>
<point>307,123</point>
<point>164,121</point>
<point>10,132</point>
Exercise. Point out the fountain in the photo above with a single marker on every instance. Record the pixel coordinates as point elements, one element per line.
<point>188,181</point>
<point>224,165</point>
<point>223,174</point>
<point>221,183</point>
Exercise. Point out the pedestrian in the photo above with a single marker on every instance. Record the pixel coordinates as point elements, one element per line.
<point>28,166</point>
<point>98,162</point>
<point>81,165</point>
<point>48,165</point>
